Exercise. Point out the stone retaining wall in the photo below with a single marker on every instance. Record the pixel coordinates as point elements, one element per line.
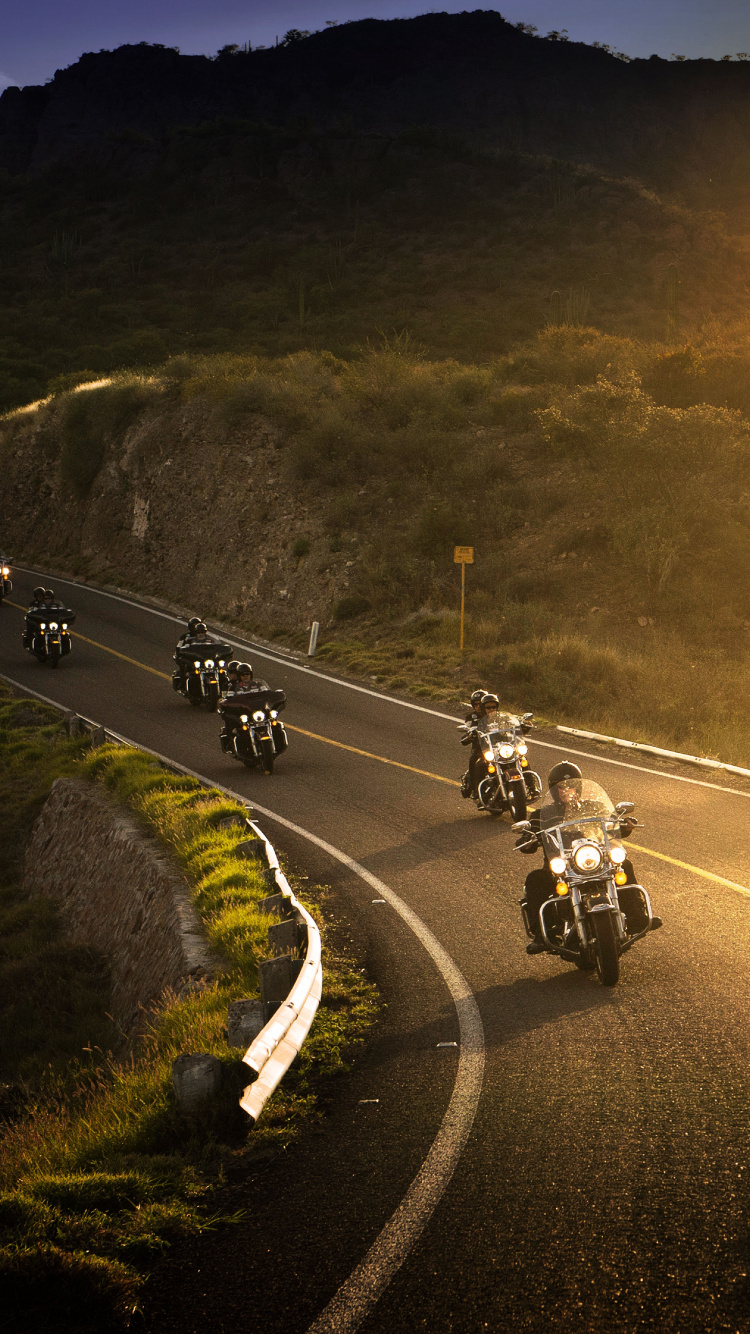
<point>118,891</point>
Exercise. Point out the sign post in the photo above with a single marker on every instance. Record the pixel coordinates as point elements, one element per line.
<point>463,556</point>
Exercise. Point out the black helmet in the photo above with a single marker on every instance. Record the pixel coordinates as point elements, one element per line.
<point>244,669</point>
<point>477,697</point>
<point>490,701</point>
<point>38,593</point>
<point>194,620</point>
<point>200,628</point>
<point>232,667</point>
<point>565,769</point>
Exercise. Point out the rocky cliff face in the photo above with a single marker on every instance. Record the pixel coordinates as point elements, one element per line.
<point>676,124</point>
<point>117,891</point>
<point>184,508</point>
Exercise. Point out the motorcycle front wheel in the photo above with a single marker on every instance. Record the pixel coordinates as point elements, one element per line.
<point>213,697</point>
<point>54,655</point>
<point>517,800</point>
<point>268,756</point>
<point>605,948</point>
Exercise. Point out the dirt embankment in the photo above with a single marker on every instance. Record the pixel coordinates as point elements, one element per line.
<point>179,508</point>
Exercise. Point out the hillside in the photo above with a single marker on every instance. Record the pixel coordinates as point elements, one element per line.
<point>449,176</point>
<point>604,485</point>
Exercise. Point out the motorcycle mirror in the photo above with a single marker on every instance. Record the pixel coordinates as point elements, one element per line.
<point>521,824</point>
<point>625,807</point>
<point>526,716</point>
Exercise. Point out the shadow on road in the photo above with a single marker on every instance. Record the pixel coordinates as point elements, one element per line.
<point>519,1007</point>
<point>432,842</point>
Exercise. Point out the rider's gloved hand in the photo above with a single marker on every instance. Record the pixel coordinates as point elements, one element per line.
<point>527,843</point>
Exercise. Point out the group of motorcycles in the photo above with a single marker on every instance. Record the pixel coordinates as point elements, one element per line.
<point>252,731</point>
<point>594,912</point>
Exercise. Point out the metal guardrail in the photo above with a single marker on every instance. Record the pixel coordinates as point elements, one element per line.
<point>703,761</point>
<point>271,1053</point>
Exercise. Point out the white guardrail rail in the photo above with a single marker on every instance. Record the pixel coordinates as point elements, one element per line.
<point>271,1053</point>
<point>701,760</point>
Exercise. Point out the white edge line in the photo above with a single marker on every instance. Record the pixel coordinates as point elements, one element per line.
<point>388,699</point>
<point>362,1289</point>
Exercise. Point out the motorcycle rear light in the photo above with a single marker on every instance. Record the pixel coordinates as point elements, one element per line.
<point>557,865</point>
<point>621,878</point>
<point>561,887</point>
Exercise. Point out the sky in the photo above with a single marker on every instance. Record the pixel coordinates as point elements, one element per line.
<point>40,36</point>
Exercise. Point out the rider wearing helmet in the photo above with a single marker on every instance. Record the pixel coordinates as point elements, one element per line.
<point>196,633</point>
<point>37,605</point>
<point>565,784</point>
<point>231,670</point>
<point>482,718</point>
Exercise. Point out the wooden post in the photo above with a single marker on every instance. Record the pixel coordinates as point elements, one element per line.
<point>463,556</point>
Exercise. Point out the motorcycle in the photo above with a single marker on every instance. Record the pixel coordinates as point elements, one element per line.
<point>200,673</point>
<point>6,585</point>
<point>253,732</point>
<point>509,784</point>
<point>47,635</point>
<point>595,915</point>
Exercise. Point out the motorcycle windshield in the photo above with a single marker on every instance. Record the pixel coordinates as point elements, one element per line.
<point>506,722</point>
<point>579,810</point>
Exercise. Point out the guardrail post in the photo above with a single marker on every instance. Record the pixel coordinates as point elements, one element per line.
<point>314,632</point>
<point>98,737</point>
<point>277,977</point>
<point>245,1020</point>
<point>196,1077</point>
<point>276,903</point>
<point>286,935</point>
<point>253,849</point>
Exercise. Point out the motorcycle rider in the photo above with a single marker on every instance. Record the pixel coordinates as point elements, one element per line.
<point>36,606</point>
<point>247,684</point>
<point>485,711</point>
<point>565,784</point>
<point>197,633</point>
<point>191,628</point>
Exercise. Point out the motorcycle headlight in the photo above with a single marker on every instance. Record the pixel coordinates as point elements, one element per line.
<point>53,625</point>
<point>259,717</point>
<point>196,663</point>
<point>274,713</point>
<point>65,625</point>
<point>221,662</point>
<point>6,572</point>
<point>243,718</point>
<point>521,747</point>
<point>618,855</point>
<point>587,858</point>
<point>557,865</point>
<point>507,752</point>
<point>43,626</point>
<point>209,662</point>
<point>488,755</point>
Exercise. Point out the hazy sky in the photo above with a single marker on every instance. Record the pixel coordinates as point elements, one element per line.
<point>39,36</point>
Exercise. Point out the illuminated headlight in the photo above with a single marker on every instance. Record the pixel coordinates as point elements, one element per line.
<point>221,662</point>
<point>196,663</point>
<point>587,858</point>
<point>259,717</point>
<point>53,625</point>
<point>65,625</point>
<point>243,718</point>
<point>43,626</point>
<point>6,572</point>
<point>557,865</point>
<point>618,855</point>
<point>209,662</point>
<point>274,713</point>
<point>507,752</point>
<point>489,755</point>
<point>521,747</point>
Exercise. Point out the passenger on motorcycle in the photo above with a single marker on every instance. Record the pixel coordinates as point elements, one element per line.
<point>245,684</point>
<point>565,783</point>
<point>482,718</point>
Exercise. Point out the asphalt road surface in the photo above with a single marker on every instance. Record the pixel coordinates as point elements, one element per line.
<point>604,1184</point>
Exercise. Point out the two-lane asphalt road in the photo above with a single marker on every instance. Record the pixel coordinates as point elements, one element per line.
<point>604,1182</point>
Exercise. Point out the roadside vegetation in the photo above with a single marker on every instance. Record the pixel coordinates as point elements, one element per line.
<point>99,1173</point>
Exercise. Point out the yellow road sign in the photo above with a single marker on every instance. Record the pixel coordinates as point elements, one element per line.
<point>463,555</point>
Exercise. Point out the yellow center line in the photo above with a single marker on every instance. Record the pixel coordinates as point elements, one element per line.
<point>369,756</point>
<point>696,870</point>
<point>424,773</point>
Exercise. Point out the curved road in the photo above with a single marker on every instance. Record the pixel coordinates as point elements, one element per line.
<point>604,1182</point>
